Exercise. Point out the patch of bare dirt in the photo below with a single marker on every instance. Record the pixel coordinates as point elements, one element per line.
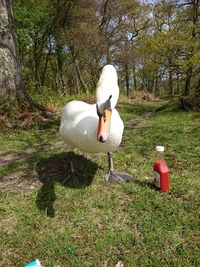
<point>140,97</point>
<point>21,181</point>
<point>26,180</point>
<point>140,120</point>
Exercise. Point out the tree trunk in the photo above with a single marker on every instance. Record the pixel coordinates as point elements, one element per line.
<point>177,83</point>
<point>142,84</point>
<point>134,78</point>
<point>9,67</point>
<point>151,85</point>
<point>77,85</point>
<point>127,80</point>
<point>198,87</point>
<point>36,64</point>
<point>156,89</point>
<point>60,63</point>
<point>188,81</point>
<point>171,89</point>
<point>195,20</point>
<point>85,88</point>
<point>45,65</point>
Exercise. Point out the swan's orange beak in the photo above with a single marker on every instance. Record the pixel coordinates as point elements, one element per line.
<point>104,126</point>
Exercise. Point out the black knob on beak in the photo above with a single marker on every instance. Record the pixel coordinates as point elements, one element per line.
<point>101,139</point>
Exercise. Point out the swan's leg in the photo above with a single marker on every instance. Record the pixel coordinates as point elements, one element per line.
<point>115,176</point>
<point>110,162</point>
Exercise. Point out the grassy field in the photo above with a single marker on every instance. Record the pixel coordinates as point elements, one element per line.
<point>96,223</point>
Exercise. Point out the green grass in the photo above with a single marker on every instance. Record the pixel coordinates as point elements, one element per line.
<point>99,223</point>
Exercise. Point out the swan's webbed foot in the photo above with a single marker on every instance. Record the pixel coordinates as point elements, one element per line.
<point>118,177</point>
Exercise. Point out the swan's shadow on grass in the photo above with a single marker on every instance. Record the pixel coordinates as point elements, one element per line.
<point>56,169</point>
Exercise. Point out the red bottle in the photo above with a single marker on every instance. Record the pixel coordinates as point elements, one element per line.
<point>161,171</point>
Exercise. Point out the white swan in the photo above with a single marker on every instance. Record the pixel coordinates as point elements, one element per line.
<point>96,128</point>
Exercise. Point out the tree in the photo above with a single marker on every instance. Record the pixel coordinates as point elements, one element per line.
<point>191,13</point>
<point>9,68</point>
<point>11,84</point>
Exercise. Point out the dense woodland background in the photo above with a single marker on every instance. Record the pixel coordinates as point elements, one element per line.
<point>62,45</point>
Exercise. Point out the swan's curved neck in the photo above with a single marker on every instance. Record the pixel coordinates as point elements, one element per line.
<point>107,86</point>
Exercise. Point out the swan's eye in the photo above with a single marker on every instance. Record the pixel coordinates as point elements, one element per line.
<point>100,110</point>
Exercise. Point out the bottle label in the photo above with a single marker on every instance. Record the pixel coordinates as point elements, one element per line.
<point>157,179</point>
